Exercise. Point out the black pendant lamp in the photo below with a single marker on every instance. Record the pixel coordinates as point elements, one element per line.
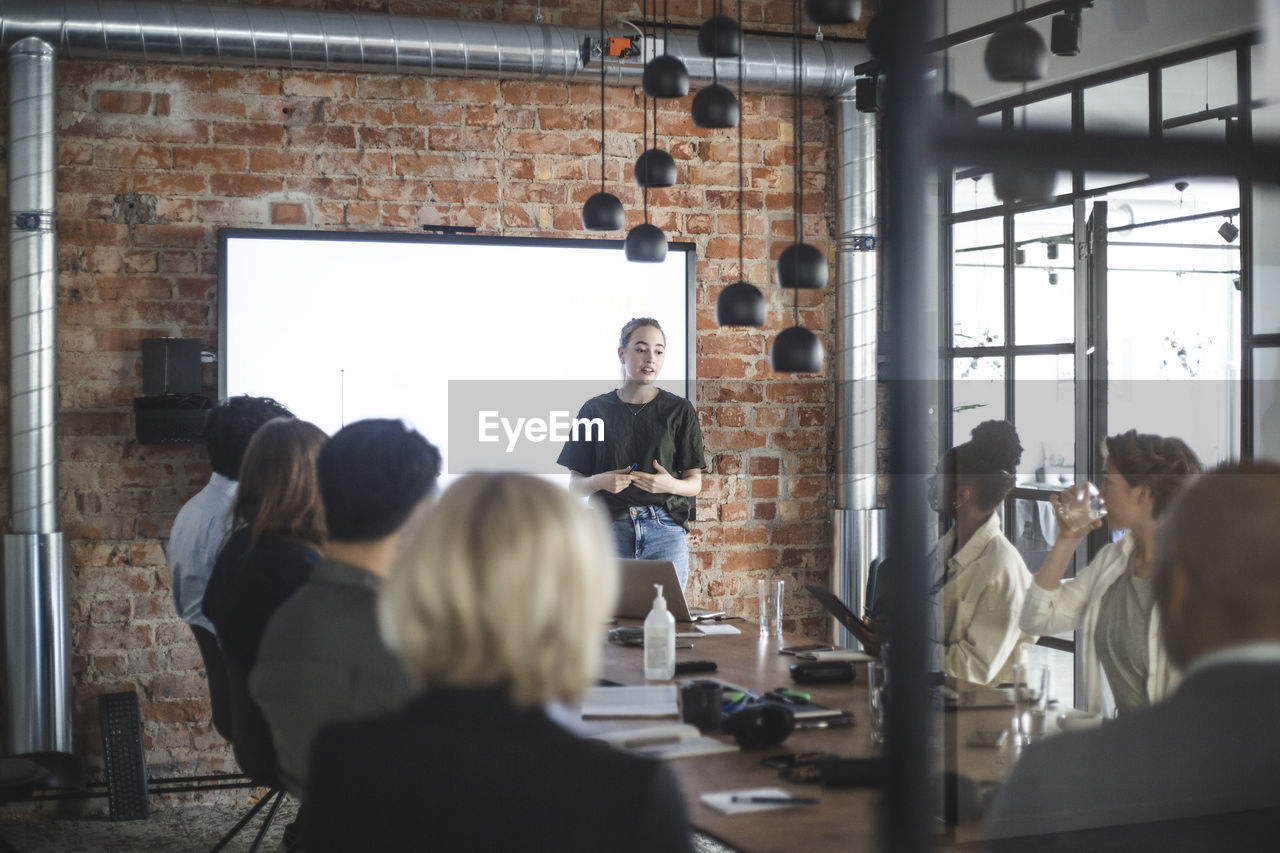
<point>800,265</point>
<point>646,243</point>
<point>1016,53</point>
<point>720,36</point>
<point>833,11</point>
<point>603,211</point>
<point>665,76</point>
<point>798,350</point>
<point>1014,184</point>
<point>715,106</point>
<point>654,167</point>
<point>741,303</point>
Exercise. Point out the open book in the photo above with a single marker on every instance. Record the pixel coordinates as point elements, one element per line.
<point>673,740</point>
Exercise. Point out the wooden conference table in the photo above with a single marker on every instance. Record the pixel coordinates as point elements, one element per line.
<point>847,819</point>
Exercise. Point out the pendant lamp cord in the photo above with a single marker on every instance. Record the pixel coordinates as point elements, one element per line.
<point>797,195</point>
<point>742,230</point>
<point>716,8</point>
<point>644,137</point>
<point>604,51</point>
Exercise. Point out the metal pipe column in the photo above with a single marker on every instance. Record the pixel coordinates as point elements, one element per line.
<point>911,300</point>
<point>856,523</point>
<point>37,627</point>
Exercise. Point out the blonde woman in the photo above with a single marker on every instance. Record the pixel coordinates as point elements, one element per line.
<point>496,605</point>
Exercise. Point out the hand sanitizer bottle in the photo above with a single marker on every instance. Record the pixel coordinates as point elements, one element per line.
<point>659,639</point>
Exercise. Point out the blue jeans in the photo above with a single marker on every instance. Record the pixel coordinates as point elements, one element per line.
<point>648,533</point>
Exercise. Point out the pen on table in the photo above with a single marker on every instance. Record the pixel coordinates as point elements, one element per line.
<point>774,801</point>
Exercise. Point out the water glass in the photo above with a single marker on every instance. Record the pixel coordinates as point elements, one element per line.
<point>770,592</point>
<point>1081,505</point>
<point>1030,701</point>
<point>878,694</point>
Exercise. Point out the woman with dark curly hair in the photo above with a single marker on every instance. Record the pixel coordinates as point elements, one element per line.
<point>981,579</point>
<point>1111,600</point>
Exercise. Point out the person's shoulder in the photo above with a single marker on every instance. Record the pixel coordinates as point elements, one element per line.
<point>671,401</point>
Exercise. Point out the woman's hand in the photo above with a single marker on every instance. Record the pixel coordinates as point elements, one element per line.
<point>612,481</point>
<point>1071,509</point>
<point>869,634</point>
<point>660,483</point>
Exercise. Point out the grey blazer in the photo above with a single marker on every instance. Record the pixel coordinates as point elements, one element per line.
<point>322,661</point>
<point>1208,756</point>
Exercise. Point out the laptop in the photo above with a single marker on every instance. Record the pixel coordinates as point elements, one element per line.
<point>635,593</point>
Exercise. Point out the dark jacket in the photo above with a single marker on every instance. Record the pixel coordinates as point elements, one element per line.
<point>465,770</point>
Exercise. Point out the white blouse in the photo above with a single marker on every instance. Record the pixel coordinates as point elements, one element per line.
<point>1075,604</point>
<point>980,603</point>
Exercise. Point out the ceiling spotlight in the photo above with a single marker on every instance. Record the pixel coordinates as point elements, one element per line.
<point>1019,256</point>
<point>1051,250</point>
<point>1053,277</point>
<point>1228,231</point>
<point>1064,34</point>
<point>1016,53</point>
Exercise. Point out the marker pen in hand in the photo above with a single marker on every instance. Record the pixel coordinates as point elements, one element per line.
<point>633,467</point>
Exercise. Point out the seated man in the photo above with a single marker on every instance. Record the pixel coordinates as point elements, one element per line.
<point>204,521</point>
<point>321,658</point>
<point>1198,769</point>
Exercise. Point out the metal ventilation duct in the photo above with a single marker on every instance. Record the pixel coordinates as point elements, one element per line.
<point>856,522</point>
<point>341,41</point>
<point>37,632</point>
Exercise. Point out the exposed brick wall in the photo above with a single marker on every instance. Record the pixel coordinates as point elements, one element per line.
<point>153,159</point>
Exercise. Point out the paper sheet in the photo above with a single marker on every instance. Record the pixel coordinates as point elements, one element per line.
<point>722,801</point>
<point>646,700</point>
<point>711,629</point>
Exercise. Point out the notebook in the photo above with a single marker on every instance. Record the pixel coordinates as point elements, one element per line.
<point>635,595</point>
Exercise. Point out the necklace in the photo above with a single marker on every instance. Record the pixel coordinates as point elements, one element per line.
<point>640,408</point>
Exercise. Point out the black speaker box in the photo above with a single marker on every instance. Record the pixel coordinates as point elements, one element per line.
<point>866,94</point>
<point>171,365</point>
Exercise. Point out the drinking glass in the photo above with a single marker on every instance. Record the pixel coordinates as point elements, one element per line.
<point>1081,505</point>
<point>1030,701</point>
<point>877,694</point>
<point>770,592</point>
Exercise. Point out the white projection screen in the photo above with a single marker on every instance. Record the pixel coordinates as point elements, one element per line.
<point>506,332</point>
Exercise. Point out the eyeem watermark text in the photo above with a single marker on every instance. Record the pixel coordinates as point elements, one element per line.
<point>559,426</point>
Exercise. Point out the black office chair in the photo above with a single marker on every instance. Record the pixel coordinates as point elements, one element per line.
<point>237,718</point>
<point>254,750</point>
<point>216,672</point>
